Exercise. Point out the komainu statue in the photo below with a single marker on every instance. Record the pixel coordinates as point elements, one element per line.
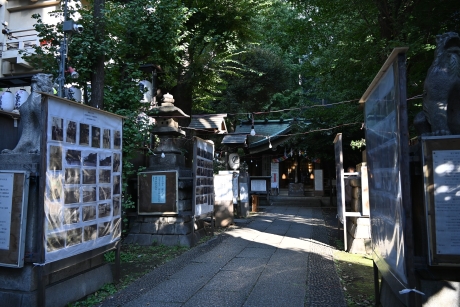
<point>441,97</point>
<point>32,126</point>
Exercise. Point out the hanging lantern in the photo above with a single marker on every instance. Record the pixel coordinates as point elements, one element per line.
<point>74,93</point>
<point>146,89</point>
<point>19,98</point>
<point>7,101</point>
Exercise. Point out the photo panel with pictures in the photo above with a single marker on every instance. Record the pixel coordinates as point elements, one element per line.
<point>71,215</point>
<point>103,229</point>
<point>105,159</point>
<point>89,158</point>
<point>72,176</point>
<point>55,241</point>
<point>116,185</point>
<point>89,213</point>
<point>84,134</point>
<point>105,192</point>
<point>117,139</point>
<point>105,175</point>
<point>88,176</point>
<point>116,162</point>
<point>90,232</point>
<point>89,194</point>
<point>54,188</point>
<point>116,205</point>
<point>73,157</point>
<point>95,137</point>
<point>57,129</point>
<point>104,210</point>
<point>53,214</point>
<point>71,195</point>
<point>74,236</point>
<point>106,139</point>
<point>71,132</point>
<point>55,158</point>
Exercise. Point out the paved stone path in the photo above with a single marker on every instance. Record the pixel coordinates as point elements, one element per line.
<point>281,258</point>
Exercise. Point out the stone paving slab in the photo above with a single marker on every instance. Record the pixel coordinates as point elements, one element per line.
<point>279,258</point>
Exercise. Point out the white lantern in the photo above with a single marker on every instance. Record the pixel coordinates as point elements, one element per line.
<point>147,89</point>
<point>19,98</point>
<point>74,93</point>
<point>7,101</point>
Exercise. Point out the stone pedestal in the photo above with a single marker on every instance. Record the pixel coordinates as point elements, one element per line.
<point>19,286</point>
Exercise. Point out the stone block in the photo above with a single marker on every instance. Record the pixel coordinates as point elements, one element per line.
<point>70,271</point>
<point>183,228</point>
<point>78,287</point>
<point>135,228</point>
<point>186,218</point>
<point>130,239</point>
<point>186,240</point>
<point>156,239</point>
<point>184,205</point>
<point>184,194</point>
<point>170,240</point>
<point>150,219</point>
<point>149,228</point>
<point>223,213</point>
<point>166,229</point>
<point>18,279</point>
<point>143,239</point>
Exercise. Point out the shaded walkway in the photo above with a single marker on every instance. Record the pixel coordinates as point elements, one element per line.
<point>281,258</point>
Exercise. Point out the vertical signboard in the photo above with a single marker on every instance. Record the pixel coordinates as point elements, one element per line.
<point>441,164</point>
<point>340,185</point>
<point>83,178</point>
<point>157,192</point>
<point>14,191</point>
<point>203,179</point>
<point>6,205</point>
<point>387,148</point>
<point>274,170</point>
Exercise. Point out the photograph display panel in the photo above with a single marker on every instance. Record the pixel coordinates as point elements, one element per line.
<point>203,181</point>
<point>83,179</point>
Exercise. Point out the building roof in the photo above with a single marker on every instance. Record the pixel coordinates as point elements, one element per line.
<point>213,122</point>
<point>267,131</point>
<point>16,81</point>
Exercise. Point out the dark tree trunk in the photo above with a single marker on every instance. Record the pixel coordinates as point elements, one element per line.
<point>97,77</point>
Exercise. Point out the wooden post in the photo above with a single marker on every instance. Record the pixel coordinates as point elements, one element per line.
<point>255,203</point>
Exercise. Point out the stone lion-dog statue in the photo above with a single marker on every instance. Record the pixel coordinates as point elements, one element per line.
<point>441,96</point>
<point>29,142</point>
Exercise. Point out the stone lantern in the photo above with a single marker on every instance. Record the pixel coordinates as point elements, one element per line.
<point>169,154</point>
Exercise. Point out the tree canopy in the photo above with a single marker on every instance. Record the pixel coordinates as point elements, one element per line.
<point>249,56</point>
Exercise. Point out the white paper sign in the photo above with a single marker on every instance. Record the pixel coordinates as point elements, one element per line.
<point>446,177</point>
<point>159,189</point>
<point>6,202</point>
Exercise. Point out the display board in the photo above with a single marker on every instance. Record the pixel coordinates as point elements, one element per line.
<point>258,185</point>
<point>82,198</point>
<point>157,192</point>
<point>203,179</point>
<point>339,177</point>
<point>441,164</point>
<point>275,176</point>
<point>387,148</point>
<point>14,192</point>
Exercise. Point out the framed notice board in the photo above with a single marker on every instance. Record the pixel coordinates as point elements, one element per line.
<point>157,192</point>
<point>441,168</point>
<point>14,195</point>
